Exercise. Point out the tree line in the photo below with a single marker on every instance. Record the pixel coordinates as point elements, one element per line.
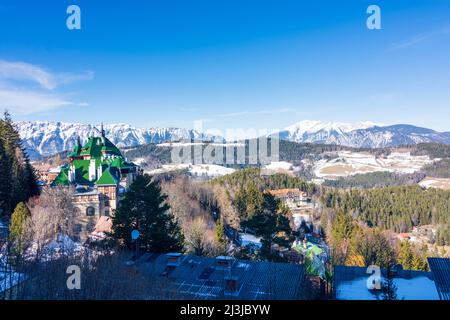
<point>18,181</point>
<point>395,208</point>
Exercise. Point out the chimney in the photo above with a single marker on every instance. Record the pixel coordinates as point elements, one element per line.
<point>232,286</point>
<point>99,171</point>
<point>103,134</point>
<point>92,171</point>
<point>71,174</point>
<point>224,262</point>
<point>174,259</point>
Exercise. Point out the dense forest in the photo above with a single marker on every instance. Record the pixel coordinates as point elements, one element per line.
<point>433,150</point>
<point>263,182</point>
<point>375,180</point>
<point>17,176</point>
<point>394,208</point>
<point>439,169</point>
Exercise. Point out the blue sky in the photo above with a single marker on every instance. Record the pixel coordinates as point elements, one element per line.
<point>232,64</point>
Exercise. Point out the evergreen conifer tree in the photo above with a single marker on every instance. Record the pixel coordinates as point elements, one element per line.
<point>18,224</point>
<point>144,208</point>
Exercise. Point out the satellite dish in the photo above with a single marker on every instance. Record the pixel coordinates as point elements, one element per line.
<point>134,234</point>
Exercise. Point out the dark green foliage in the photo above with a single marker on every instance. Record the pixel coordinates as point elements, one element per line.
<point>373,246</point>
<point>433,150</point>
<point>375,180</point>
<point>443,235</point>
<point>257,209</point>
<point>263,182</point>
<point>395,208</point>
<point>144,208</point>
<point>5,180</point>
<point>155,153</point>
<point>342,227</point>
<point>17,228</point>
<point>439,169</point>
<point>220,234</point>
<point>411,258</point>
<point>388,287</point>
<point>18,178</point>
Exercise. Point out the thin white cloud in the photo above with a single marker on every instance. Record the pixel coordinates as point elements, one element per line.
<point>247,113</point>
<point>24,102</point>
<point>20,95</point>
<point>420,38</point>
<point>22,71</point>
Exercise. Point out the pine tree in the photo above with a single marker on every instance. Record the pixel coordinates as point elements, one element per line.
<point>22,182</point>
<point>18,224</point>
<point>406,255</point>
<point>144,208</point>
<point>220,235</point>
<point>342,226</point>
<point>389,288</point>
<point>5,181</point>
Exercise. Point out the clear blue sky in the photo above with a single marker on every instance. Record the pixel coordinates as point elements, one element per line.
<point>233,63</point>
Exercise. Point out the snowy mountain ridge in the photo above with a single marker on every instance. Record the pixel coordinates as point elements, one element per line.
<point>361,134</point>
<point>44,138</point>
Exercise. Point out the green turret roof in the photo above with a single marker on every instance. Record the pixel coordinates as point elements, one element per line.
<point>62,179</point>
<point>107,179</point>
<point>105,154</point>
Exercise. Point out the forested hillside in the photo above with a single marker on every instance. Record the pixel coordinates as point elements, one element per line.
<point>375,180</point>
<point>17,176</point>
<point>394,208</point>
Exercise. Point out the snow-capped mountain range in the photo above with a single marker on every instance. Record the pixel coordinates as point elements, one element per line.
<point>362,134</point>
<point>43,138</point>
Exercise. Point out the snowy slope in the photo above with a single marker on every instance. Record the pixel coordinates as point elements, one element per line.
<point>361,134</point>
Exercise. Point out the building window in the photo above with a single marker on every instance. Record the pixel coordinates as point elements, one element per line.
<point>76,211</point>
<point>90,211</point>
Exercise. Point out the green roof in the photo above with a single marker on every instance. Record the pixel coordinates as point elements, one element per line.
<point>109,147</point>
<point>92,147</point>
<point>107,179</point>
<point>62,179</point>
<point>96,148</point>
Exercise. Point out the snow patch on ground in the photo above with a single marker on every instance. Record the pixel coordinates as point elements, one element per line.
<point>418,288</point>
<point>350,163</point>
<point>439,183</point>
<point>277,165</point>
<point>203,170</point>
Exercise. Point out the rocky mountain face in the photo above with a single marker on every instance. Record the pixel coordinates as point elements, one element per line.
<point>364,134</point>
<point>47,138</point>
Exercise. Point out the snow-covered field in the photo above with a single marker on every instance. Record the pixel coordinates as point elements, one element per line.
<point>439,183</point>
<point>350,163</point>
<point>201,170</point>
<point>278,165</point>
<point>417,288</point>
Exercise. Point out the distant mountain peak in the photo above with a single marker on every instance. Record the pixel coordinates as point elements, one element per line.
<point>361,134</point>
<point>43,138</point>
<point>310,126</point>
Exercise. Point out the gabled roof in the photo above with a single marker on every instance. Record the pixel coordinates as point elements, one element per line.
<point>110,148</point>
<point>196,277</point>
<point>107,179</point>
<point>440,267</point>
<point>92,147</point>
<point>105,154</point>
<point>62,179</point>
